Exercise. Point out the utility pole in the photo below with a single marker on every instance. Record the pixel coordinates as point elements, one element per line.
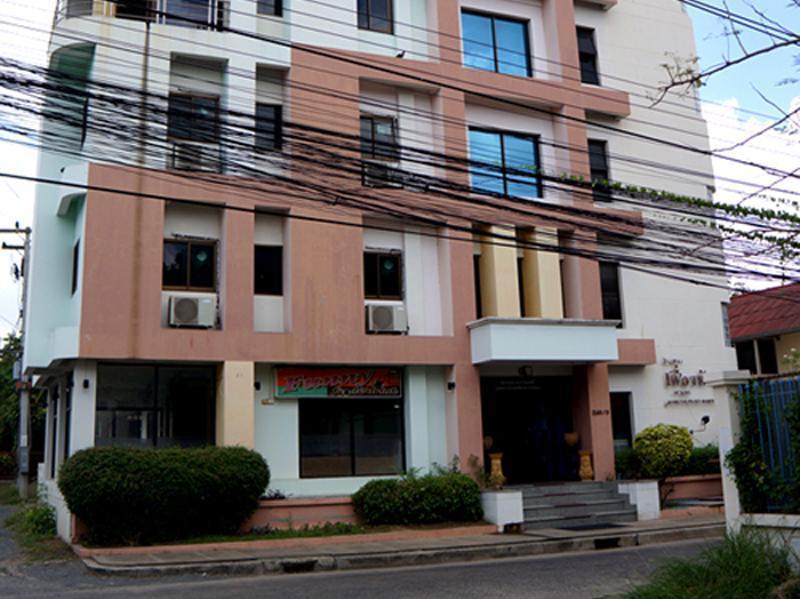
<point>22,382</point>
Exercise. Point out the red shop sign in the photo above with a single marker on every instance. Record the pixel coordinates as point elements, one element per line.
<point>339,382</point>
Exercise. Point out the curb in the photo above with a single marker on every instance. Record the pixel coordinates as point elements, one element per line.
<point>416,557</point>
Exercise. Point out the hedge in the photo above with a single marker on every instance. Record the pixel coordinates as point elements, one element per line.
<point>702,460</point>
<point>663,450</point>
<point>129,496</point>
<point>441,497</point>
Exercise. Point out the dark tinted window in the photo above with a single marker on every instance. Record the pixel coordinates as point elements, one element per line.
<point>504,163</point>
<point>269,130</point>
<point>621,419</point>
<point>598,164</point>
<point>375,15</point>
<point>350,438</point>
<point>76,253</point>
<point>476,270</point>
<point>587,52</point>
<point>379,138</point>
<point>746,356</point>
<point>383,276</point>
<point>189,265</point>
<point>194,118</point>
<point>268,270</point>
<point>270,7</point>
<point>202,266</point>
<point>521,284</point>
<point>767,357</point>
<point>494,43</point>
<point>609,285</point>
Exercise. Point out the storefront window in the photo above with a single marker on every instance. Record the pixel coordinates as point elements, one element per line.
<point>155,406</point>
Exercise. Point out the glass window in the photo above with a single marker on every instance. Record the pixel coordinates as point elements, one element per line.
<point>155,406</point>
<point>587,52</point>
<point>375,15</point>
<point>598,165</point>
<point>270,7</point>
<point>383,276</point>
<point>189,265</point>
<point>609,286</point>
<point>504,163</point>
<point>379,138</point>
<point>188,13</point>
<point>268,270</point>
<point>269,130</point>
<point>193,118</point>
<point>726,324</point>
<point>493,43</point>
<point>350,437</point>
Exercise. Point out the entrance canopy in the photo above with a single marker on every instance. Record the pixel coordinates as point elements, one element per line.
<point>526,340</point>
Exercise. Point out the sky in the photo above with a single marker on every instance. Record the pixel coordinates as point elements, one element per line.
<point>730,99</point>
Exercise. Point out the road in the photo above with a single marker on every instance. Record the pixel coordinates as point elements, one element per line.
<point>590,574</point>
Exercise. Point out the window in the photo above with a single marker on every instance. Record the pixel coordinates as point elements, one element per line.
<point>155,406</point>
<point>598,165</point>
<point>746,356</point>
<point>476,270</point>
<point>268,270</point>
<point>76,255</point>
<point>383,276</point>
<point>193,118</point>
<point>621,420</point>
<point>521,284</point>
<point>587,53</point>
<point>726,324</point>
<point>495,44</point>
<point>135,9</point>
<point>504,163</point>
<point>269,127</point>
<point>609,286</point>
<point>379,138</point>
<point>351,437</point>
<point>767,356</point>
<point>189,265</point>
<point>375,15</point>
<point>270,7</point>
<point>191,13</point>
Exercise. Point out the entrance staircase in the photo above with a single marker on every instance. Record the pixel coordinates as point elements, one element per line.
<point>575,505</point>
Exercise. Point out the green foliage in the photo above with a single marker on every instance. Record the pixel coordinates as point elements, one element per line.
<point>329,529</point>
<point>8,464</point>
<point>743,566</point>
<point>703,460</point>
<point>9,399</point>
<point>432,498</point>
<point>627,464</point>
<point>663,450</point>
<point>137,496</point>
<point>38,519</point>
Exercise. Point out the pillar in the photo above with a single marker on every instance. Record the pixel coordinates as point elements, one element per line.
<point>235,407</point>
<point>591,413</point>
<point>541,276</point>
<point>83,414</point>
<point>499,279</point>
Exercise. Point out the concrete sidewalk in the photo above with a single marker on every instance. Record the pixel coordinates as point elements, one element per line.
<point>387,549</point>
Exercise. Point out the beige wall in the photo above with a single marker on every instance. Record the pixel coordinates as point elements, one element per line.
<point>236,404</point>
<point>783,345</point>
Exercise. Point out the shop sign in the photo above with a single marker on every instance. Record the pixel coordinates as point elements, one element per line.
<point>682,383</point>
<point>339,382</point>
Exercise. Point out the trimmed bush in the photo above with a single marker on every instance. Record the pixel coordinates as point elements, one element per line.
<point>129,496</point>
<point>703,460</point>
<point>627,464</point>
<point>441,497</point>
<point>663,450</point>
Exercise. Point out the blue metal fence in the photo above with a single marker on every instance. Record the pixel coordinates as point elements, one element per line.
<point>775,396</point>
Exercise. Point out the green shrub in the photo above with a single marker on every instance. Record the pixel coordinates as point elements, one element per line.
<point>743,566</point>
<point>139,496</point>
<point>439,497</point>
<point>703,460</point>
<point>8,464</point>
<point>627,464</point>
<point>38,519</point>
<point>663,450</point>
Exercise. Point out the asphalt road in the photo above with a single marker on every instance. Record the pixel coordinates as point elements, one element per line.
<point>591,574</point>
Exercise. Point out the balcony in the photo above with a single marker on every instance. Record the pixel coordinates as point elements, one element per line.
<point>526,340</point>
<point>194,14</point>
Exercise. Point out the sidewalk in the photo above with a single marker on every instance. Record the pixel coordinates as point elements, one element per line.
<point>403,548</point>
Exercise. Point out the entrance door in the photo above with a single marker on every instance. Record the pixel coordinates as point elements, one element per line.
<point>526,420</point>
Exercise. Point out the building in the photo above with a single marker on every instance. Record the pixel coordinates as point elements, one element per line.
<point>265,234</point>
<point>765,328</point>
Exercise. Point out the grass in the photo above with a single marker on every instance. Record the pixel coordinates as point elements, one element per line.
<point>9,494</point>
<point>744,566</point>
<point>32,524</point>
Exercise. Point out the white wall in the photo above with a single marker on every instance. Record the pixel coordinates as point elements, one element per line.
<point>277,429</point>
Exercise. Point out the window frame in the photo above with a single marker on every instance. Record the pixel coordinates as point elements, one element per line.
<point>617,291</point>
<point>277,128</point>
<point>189,287</point>
<point>277,12</point>
<point>368,14</point>
<point>255,274</point>
<point>493,18</point>
<point>379,254</point>
<point>581,54</point>
<point>192,96</point>
<point>76,256</point>
<point>534,137</point>
<point>393,153</point>
<point>601,192</point>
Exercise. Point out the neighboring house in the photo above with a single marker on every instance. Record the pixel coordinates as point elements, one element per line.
<point>765,327</point>
<point>248,289</point>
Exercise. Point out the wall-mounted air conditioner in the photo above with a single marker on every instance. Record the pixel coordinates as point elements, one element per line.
<point>383,318</point>
<point>196,312</point>
<point>196,157</point>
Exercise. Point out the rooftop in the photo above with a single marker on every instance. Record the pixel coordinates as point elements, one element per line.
<point>763,313</point>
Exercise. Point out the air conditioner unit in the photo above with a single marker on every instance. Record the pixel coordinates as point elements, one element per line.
<point>380,174</point>
<point>196,157</point>
<point>196,312</point>
<point>382,318</point>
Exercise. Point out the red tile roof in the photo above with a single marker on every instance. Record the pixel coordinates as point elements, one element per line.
<point>764,313</point>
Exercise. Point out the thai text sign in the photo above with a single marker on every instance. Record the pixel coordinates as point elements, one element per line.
<point>339,382</point>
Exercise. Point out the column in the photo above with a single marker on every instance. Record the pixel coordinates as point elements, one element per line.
<point>591,413</point>
<point>499,278</point>
<point>82,418</point>
<point>235,409</point>
<point>541,276</point>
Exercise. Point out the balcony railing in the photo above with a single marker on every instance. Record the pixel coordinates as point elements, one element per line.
<point>195,14</point>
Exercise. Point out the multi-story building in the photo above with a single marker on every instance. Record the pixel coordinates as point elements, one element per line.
<point>338,233</point>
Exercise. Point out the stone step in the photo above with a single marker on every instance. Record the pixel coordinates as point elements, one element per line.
<point>569,498</point>
<point>578,509</point>
<point>616,517</point>
<point>567,488</point>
